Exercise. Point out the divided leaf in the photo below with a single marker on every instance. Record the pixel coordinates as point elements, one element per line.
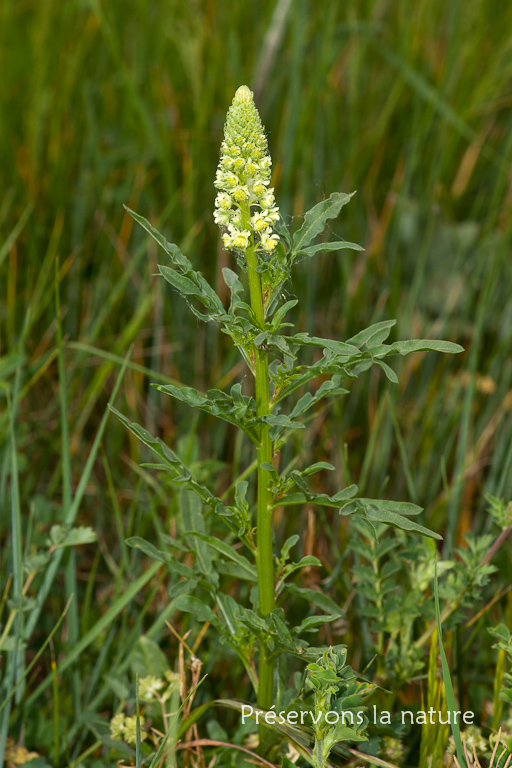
<point>173,464</point>
<point>183,277</point>
<point>234,408</point>
<point>315,222</point>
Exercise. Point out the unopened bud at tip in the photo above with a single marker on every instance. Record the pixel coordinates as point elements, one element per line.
<point>243,95</point>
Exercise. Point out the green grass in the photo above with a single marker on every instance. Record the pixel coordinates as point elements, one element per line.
<point>105,104</point>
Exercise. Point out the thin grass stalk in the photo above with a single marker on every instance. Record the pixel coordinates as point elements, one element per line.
<point>70,576</point>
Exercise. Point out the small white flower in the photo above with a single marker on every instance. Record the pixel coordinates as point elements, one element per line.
<point>236,217</point>
<point>222,218</point>
<point>231,180</point>
<point>259,187</point>
<point>236,238</point>
<point>272,215</point>
<point>241,240</point>
<point>269,241</point>
<point>223,201</point>
<point>149,687</point>
<point>259,221</point>
<point>267,200</point>
<point>241,194</point>
<point>251,167</point>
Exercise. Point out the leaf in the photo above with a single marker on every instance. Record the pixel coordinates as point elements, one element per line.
<point>180,473</point>
<point>315,221</point>
<point>60,536</point>
<point>289,543</point>
<point>232,281</point>
<point>398,521</point>
<point>171,542</point>
<point>339,347</point>
<point>234,571</point>
<point>319,465</point>
<point>183,277</point>
<point>318,599</point>
<point>197,608</point>
<point>337,245</point>
<point>192,519</point>
<point>11,644</point>
<point>224,549</point>
<point>318,498</point>
<point>147,658</point>
<point>227,609</point>
<point>270,468</point>
<point>305,562</point>
<point>375,334</point>
<point>400,507</point>
<point>417,345</point>
<point>501,632</point>
<point>21,603</point>
<point>300,483</point>
<point>330,388</point>
<point>312,622</point>
<point>281,312</point>
<point>279,420</point>
<point>170,561</point>
<point>391,375</point>
<point>217,403</point>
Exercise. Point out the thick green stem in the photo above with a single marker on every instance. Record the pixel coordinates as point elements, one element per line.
<point>265,557</point>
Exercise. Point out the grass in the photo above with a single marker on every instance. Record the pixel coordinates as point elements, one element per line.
<point>105,104</point>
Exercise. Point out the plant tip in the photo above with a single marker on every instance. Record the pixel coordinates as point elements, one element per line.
<point>243,95</point>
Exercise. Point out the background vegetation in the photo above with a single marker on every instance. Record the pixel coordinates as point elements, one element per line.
<point>105,104</point>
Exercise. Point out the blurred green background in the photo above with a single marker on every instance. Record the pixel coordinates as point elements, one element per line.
<point>111,103</point>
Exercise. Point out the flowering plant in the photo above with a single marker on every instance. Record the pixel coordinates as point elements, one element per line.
<point>266,251</point>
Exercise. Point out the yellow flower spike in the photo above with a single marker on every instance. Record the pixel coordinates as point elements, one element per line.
<point>243,178</point>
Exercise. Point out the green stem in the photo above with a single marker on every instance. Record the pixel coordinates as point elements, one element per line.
<point>265,555</point>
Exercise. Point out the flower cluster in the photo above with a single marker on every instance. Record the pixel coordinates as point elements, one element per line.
<point>123,728</point>
<point>245,202</point>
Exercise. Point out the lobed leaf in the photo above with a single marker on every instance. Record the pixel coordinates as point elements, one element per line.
<point>173,464</point>
<point>183,277</point>
<point>315,221</point>
<point>233,408</point>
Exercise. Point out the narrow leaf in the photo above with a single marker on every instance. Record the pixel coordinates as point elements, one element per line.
<point>337,245</point>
